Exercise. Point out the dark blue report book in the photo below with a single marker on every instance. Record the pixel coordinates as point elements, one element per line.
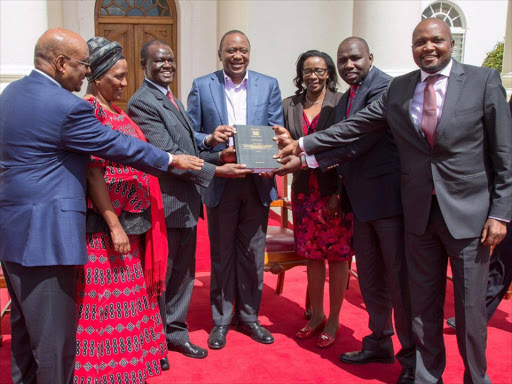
<point>255,147</point>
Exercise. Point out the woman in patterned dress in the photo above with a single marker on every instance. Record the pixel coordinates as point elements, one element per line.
<point>119,335</point>
<point>322,219</point>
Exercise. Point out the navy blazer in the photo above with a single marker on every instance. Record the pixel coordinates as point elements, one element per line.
<point>48,135</point>
<point>372,178</point>
<point>207,110</point>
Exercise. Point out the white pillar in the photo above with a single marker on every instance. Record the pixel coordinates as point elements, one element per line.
<point>387,27</point>
<point>506,71</point>
<point>231,14</point>
<point>22,22</point>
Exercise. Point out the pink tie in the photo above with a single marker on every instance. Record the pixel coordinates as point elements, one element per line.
<point>353,91</point>
<point>429,117</point>
<point>171,98</point>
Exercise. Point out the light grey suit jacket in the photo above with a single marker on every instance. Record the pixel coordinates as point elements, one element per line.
<point>470,166</point>
<point>165,127</point>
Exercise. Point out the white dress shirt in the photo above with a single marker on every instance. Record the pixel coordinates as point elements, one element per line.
<point>236,101</point>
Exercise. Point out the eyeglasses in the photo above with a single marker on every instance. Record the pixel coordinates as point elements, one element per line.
<point>317,71</point>
<point>84,63</point>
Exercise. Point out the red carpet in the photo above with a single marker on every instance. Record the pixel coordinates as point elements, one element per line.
<point>291,361</point>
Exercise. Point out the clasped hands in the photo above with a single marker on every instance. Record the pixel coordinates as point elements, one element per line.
<point>288,154</point>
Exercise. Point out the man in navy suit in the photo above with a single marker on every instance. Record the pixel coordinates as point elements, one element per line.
<point>237,208</point>
<point>48,135</point>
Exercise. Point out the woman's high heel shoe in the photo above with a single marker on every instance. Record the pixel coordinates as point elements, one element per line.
<point>308,332</point>
<point>325,340</point>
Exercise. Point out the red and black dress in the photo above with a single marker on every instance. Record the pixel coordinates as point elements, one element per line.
<point>119,335</point>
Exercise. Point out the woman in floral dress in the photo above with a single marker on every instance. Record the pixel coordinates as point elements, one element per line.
<point>119,335</point>
<point>322,219</point>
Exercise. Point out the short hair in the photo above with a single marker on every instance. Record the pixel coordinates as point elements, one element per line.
<point>332,81</point>
<point>145,48</point>
<point>232,32</point>
<point>359,40</point>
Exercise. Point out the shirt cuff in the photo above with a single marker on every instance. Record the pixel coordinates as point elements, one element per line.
<point>206,146</point>
<point>301,145</point>
<point>170,158</point>
<point>311,161</point>
<point>497,218</point>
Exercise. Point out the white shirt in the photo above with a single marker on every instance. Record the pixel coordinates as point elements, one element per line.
<point>49,77</point>
<point>159,87</point>
<point>236,101</point>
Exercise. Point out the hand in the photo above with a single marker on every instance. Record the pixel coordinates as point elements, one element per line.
<point>333,207</point>
<point>120,239</point>
<point>187,162</point>
<point>494,232</point>
<point>228,155</point>
<point>282,136</point>
<point>291,149</point>
<point>232,171</point>
<point>289,164</point>
<point>221,135</point>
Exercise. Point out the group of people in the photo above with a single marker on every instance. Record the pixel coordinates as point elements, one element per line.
<point>100,206</point>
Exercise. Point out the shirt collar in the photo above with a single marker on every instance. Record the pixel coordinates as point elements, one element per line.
<point>228,83</point>
<point>48,76</point>
<point>159,87</point>
<point>444,72</point>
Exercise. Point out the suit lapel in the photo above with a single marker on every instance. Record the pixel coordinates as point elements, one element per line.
<point>341,108</point>
<point>253,93</point>
<point>167,103</point>
<point>327,110</point>
<point>408,95</point>
<point>453,93</point>
<point>218,96</point>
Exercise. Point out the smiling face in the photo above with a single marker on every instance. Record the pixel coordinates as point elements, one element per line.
<point>159,66</point>
<point>432,45</point>
<point>235,54</point>
<point>313,81</point>
<point>111,84</point>
<point>354,61</point>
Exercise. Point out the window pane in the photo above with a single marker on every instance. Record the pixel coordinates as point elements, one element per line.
<point>135,12</point>
<point>458,48</point>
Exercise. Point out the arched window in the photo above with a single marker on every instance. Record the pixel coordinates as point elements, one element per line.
<point>135,8</point>
<point>453,16</point>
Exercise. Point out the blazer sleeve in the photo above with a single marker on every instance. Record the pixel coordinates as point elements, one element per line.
<point>82,132</point>
<point>146,116</point>
<point>275,107</point>
<point>194,113</point>
<point>370,119</point>
<point>498,124</point>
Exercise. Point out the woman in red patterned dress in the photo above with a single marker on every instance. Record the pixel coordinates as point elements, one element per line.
<point>322,219</point>
<point>119,335</point>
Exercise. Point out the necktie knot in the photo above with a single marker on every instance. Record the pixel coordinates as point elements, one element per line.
<point>432,79</point>
<point>170,96</point>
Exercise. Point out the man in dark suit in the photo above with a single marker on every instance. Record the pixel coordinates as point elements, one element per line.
<point>237,209</point>
<point>378,220</point>
<point>48,135</point>
<point>166,125</point>
<point>451,125</point>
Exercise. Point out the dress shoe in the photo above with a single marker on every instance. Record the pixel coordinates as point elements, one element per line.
<point>325,340</point>
<point>307,331</point>
<point>217,338</point>
<point>406,376</point>
<point>451,322</point>
<point>164,364</point>
<point>190,350</point>
<point>367,356</point>
<point>256,331</point>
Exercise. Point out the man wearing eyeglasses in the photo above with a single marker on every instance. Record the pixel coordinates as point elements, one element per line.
<point>48,135</point>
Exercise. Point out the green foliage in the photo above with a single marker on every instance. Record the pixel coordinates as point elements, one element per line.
<point>494,58</point>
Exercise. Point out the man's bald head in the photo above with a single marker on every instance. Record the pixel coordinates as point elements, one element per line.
<point>432,45</point>
<point>354,40</point>
<point>62,54</point>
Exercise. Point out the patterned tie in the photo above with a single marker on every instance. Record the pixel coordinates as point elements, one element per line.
<point>171,98</point>
<point>429,117</point>
<point>353,91</point>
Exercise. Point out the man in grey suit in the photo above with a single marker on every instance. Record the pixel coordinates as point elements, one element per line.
<point>451,125</point>
<point>237,209</point>
<point>166,125</point>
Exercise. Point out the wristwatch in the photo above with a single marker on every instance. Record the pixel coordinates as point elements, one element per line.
<point>303,162</point>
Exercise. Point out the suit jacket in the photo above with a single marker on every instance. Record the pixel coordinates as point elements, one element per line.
<point>293,108</point>
<point>171,130</point>
<point>48,135</point>
<point>372,177</point>
<point>470,165</point>
<point>207,110</point>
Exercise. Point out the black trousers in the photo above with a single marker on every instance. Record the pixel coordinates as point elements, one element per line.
<point>427,259</point>
<point>43,323</point>
<point>382,270</point>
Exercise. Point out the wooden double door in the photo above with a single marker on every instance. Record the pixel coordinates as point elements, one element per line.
<point>132,33</point>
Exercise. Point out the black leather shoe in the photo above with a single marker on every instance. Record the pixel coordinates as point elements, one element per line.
<point>190,350</point>
<point>217,338</point>
<point>367,356</point>
<point>451,322</point>
<point>406,376</point>
<point>256,331</point>
<point>164,364</point>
